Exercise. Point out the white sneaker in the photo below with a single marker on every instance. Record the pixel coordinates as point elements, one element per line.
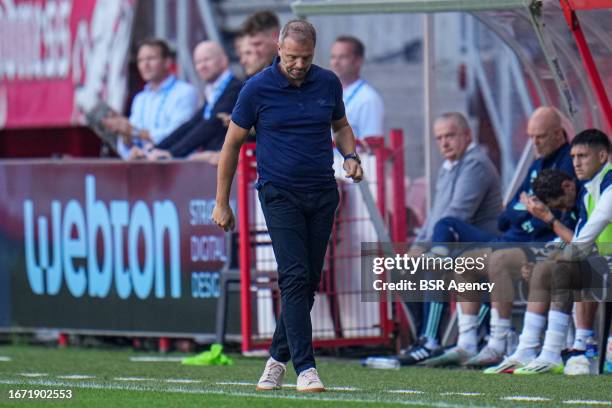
<point>309,381</point>
<point>272,377</point>
<point>577,365</point>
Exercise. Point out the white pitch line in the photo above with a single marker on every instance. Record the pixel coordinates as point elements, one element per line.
<point>525,398</point>
<point>33,375</point>
<point>343,389</point>
<point>76,377</point>
<point>5,358</point>
<point>250,384</point>
<point>587,402</point>
<point>234,383</point>
<point>405,392</point>
<point>254,394</point>
<point>132,379</point>
<point>154,359</point>
<point>182,381</point>
<point>463,394</point>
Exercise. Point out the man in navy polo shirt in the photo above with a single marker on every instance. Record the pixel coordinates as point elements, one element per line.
<point>292,104</point>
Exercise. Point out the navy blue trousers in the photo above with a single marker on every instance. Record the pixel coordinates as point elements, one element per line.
<point>450,229</point>
<point>299,224</point>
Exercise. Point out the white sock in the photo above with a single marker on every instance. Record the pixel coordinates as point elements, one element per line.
<point>554,340</point>
<point>468,326</point>
<point>582,335</point>
<point>529,340</point>
<point>431,343</point>
<point>499,332</point>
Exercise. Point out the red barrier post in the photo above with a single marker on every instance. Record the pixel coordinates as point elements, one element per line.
<point>398,228</point>
<point>62,340</point>
<point>164,344</point>
<point>244,250</point>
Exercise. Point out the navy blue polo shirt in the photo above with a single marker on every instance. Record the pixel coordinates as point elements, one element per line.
<point>292,124</point>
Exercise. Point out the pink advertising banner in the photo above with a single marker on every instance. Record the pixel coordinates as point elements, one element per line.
<point>59,57</point>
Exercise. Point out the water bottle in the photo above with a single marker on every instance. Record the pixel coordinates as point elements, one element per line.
<point>592,355</point>
<point>511,342</point>
<point>608,365</point>
<point>384,363</point>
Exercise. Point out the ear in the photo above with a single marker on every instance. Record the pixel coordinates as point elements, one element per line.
<point>602,155</point>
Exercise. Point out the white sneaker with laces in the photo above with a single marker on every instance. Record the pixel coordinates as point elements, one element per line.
<point>272,377</point>
<point>309,381</point>
<point>577,365</point>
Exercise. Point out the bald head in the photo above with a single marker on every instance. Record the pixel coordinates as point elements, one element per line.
<point>210,60</point>
<point>545,131</point>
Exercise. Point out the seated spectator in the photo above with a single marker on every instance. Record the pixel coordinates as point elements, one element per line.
<point>261,30</point>
<point>247,56</point>
<point>517,225</point>
<point>458,196</point>
<point>205,131</point>
<point>555,189</point>
<point>163,105</point>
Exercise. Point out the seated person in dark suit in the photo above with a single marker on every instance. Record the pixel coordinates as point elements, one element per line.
<point>205,131</point>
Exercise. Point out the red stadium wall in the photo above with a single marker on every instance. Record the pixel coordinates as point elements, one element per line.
<point>49,142</point>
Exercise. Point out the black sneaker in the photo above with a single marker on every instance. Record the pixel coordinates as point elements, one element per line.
<point>417,353</point>
<point>569,353</point>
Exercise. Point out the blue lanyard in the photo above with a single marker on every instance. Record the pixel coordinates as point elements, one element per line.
<point>352,95</point>
<point>165,92</point>
<point>216,95</point>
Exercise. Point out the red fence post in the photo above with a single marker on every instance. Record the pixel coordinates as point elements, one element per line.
<point>377,144</point>
<point>62,340</point>
<point>164,344</point>
<point>245,249</point>
<point>399,228</point>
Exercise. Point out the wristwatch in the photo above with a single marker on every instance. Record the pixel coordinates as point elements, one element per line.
<point>353,156</point>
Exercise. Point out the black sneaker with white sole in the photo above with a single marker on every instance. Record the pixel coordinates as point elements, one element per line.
<point>417,353</point>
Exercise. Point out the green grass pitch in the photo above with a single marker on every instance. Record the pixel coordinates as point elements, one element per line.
<point>110,379</point>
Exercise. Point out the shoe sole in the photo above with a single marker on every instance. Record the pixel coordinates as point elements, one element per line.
<point>555,371</point>
<point>311,390</point>
<point>267,389</point>
<point>481,364</point>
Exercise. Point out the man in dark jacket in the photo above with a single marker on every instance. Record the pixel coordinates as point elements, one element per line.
<point>205,131</point>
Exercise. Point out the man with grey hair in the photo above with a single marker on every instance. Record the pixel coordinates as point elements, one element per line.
<point>504,262</point>
<point>292,104</point>
<point>456,195</point>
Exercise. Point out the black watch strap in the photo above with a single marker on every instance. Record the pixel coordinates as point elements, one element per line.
<point>353,156</point>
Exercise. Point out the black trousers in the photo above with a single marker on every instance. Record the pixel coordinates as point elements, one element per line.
<point>300,225</point>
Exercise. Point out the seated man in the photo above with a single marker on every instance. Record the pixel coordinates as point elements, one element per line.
<point>163,105</point>
<point>518,225</point>
<point>589,151</point>
<point>458,196</point>
<point>205,130</point>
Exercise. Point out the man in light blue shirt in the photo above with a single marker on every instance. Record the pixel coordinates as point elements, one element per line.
<point>364,106</point>
<point>163,105</point>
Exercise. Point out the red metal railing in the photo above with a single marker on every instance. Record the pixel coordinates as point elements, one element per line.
<point>339,317</point>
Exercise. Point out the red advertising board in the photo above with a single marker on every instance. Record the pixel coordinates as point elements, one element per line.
<point>59,57</point>
<point>110,247</point>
